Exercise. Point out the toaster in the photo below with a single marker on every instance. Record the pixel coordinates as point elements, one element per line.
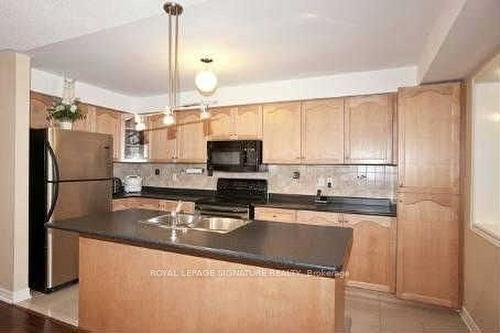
<point>133,183</point>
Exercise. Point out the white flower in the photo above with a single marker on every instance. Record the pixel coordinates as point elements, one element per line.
<point>73,108</point>
<point>60,107</point>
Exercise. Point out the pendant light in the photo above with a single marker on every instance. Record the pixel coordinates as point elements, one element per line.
<point>205,114</point>
<point>139,123</point>
<point>173,11</point>
<point>206,80</point>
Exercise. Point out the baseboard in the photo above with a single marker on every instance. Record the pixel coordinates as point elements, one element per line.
<point>10,297</point>
<point>469,321</point>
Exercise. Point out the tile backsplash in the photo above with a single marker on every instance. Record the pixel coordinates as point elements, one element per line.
<point>347,180</point>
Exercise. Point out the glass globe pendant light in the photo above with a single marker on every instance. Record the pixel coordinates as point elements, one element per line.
<point>206,80</point>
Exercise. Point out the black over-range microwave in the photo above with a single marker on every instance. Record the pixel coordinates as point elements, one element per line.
<point>234,156</point>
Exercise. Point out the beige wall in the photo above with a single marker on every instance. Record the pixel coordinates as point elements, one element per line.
<point>14,169</point>
<point>481,268</point>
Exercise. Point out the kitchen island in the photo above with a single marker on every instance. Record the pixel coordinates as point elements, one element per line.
<point>261,277</point>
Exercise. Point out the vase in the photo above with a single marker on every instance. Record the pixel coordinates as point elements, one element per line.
<point>65,124</point>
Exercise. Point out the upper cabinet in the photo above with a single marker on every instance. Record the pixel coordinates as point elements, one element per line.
<point>282,133</point>
<point>248,122</point>
<point>88,123</point>
<point>221,124</point>
<point>429,138</point>
<point>111,122</point>
<point>162,140</point>
<point>323,131</point>
<point>356,130</point>
<point>38,110</point>
<point>369,129</point>
<point>236,123</point>
<point>191,137</point>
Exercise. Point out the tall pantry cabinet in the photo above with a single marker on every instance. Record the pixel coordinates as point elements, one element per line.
<point>429,128</point>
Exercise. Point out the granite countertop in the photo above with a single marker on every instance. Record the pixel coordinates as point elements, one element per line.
<point>347,205</point>
<point>303,248</point>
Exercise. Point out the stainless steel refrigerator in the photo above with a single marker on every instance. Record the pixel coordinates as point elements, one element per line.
<point>70,176</point>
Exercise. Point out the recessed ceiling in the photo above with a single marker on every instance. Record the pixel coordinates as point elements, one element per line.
<point>250,41</point>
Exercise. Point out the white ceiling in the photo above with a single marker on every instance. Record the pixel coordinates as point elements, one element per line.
<point>251,41</point>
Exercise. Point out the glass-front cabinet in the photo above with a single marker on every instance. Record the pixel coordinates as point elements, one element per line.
<point>136,147</point>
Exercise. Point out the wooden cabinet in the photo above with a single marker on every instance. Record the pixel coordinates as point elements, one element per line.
<point>151,204</point>
<point>111,122</point>
<point>282,133</point>
<point>275,214</point>
<point>372,263</point>
<point>429,138</point>
<point>323,132</point>
<point>162,140</point>
<point>221,124</point>
<point>428,248</point>
<point>236,123</point>
<point>248,122</point>
<point>87,124</point>
<point>369,129</point>
<point>38,109</point>
<point>318,218</point>
<point>191,138</point>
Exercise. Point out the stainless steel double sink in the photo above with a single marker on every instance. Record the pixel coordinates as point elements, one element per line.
<point>221,225</point>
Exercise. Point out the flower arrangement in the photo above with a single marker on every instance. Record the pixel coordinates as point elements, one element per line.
<point>63,111</point>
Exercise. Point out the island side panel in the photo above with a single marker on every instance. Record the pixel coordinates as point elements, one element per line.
<point>133,289</point>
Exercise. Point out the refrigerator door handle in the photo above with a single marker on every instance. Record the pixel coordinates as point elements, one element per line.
<point>55,187</point>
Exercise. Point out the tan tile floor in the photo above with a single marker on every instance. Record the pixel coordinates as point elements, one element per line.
<point>372,312</point>
<point>369,312</point>
<point>61,305</point>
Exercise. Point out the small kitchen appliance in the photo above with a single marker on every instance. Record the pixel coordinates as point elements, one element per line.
<point>133,183</point>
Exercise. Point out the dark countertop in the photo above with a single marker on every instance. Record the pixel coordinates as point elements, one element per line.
<point>304,248</point>
<point>347,205</point>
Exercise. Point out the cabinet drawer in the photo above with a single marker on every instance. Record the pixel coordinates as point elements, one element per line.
<point>275,214</point>
<point>317,218</point>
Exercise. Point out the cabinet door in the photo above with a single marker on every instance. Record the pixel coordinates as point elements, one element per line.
<point>368,129</point>
<point>221,124</point>
<point>87,124</point>
<point>429,138</point>
<point>248,122</point>
<point>110,122</point>
<point>38,109</point>
<point>318,218</point>
<point>428,248</point>
<point>372,263</point>
<point>275,214</point>
<point>162,140</point>
<point>323,131</point>
<point>191,138</point>
<point>282,133</point>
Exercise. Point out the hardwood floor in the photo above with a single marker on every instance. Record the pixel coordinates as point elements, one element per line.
<point>14,319</point>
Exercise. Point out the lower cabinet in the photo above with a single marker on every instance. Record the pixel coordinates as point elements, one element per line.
<point>372,263</point>
<point>428,248</point>
<point>152,204</point>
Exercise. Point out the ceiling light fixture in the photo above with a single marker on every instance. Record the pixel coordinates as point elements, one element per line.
<point>174,11</point>
<point>205,114</point>
<point>206,80</point>
<point>139,123</point>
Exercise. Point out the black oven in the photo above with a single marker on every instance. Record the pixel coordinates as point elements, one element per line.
<point>234,156</point>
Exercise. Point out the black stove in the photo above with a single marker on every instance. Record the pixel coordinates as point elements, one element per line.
<point>234,198</point>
